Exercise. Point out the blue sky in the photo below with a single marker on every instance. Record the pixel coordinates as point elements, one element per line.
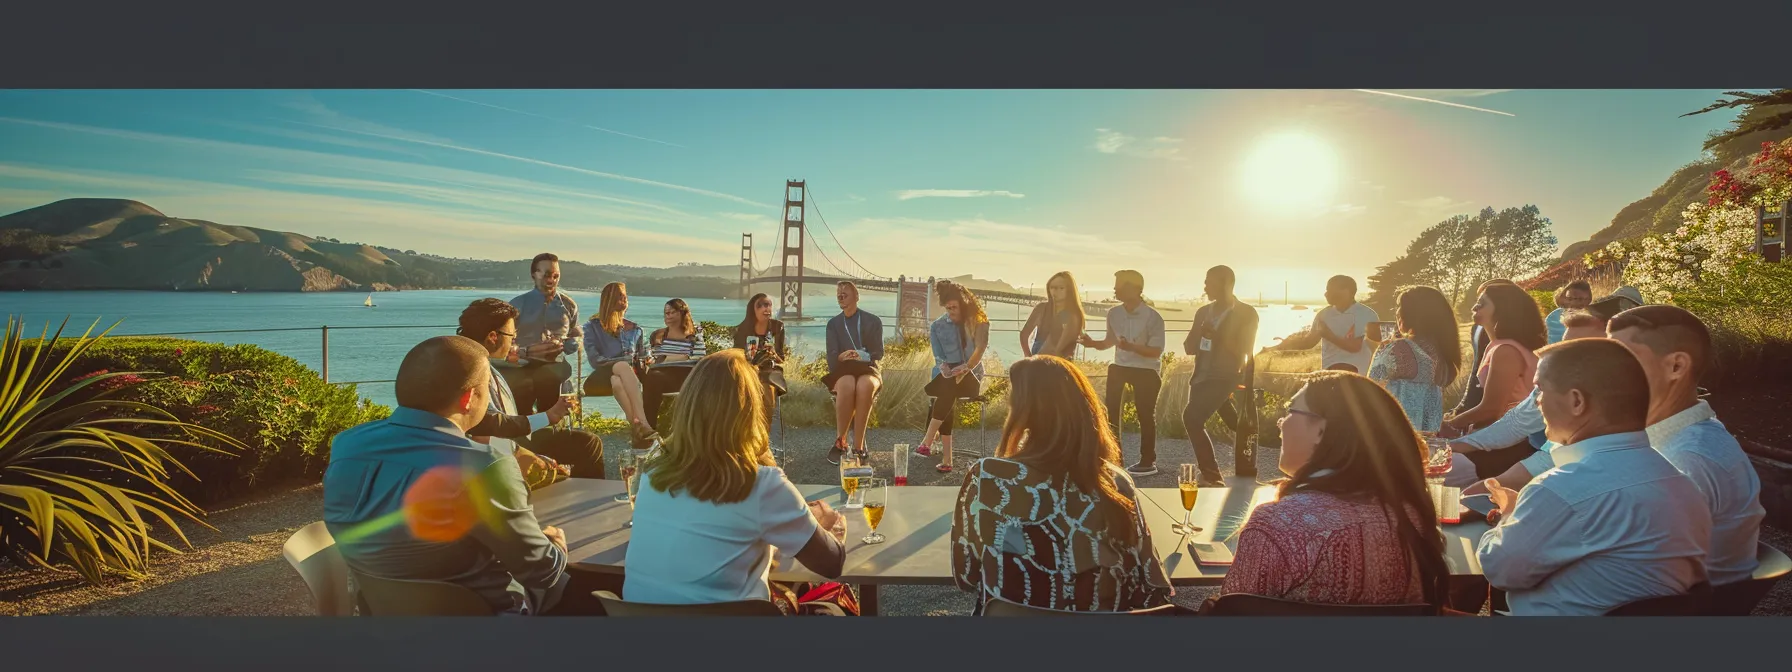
<point>1281,185</point>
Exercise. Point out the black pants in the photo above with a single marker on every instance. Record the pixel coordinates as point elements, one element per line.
<point>1206,397</point>
<point>575,598</point>
<point>658,384</point>
<point>946,395</point>
<point>1145,386</point>
<point>579,449</point>
<point>536,386</point>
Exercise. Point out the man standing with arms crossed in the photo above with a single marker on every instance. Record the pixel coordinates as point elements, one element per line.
<point>1136,332</point>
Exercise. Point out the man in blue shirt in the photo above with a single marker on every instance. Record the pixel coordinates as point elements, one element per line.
<point>547,330</point>
<point>411,497</point>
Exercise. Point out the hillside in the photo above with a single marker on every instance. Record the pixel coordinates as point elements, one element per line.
<point>102,243</point>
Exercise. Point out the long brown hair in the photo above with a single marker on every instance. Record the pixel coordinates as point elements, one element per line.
<point>1516,316</point>
<point>753,312</point>
<point>1369,450</point>
<point>1426,312</point>
<point>1067,435</point>
<point>689,325</point>
<point>713,450</point>
<point>948,290</point>
<point>1076,304</point>
<point>609,312</point>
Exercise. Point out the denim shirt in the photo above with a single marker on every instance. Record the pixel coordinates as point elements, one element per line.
<point>947,349</point>
<point>536,313</point>
<point>628,343</point>
<point>503,556</point>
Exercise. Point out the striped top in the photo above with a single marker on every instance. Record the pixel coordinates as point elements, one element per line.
<point>691,346</point>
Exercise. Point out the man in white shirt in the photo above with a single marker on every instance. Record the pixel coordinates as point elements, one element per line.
<point>1614,522</point>
<point>1341,327</point>
<point>1136,331</point>
<point>1674,348</point>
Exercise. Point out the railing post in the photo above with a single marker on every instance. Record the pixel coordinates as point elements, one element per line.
<point>326,354</point>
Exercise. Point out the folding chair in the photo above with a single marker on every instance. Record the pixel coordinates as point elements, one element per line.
<point>313,554</point>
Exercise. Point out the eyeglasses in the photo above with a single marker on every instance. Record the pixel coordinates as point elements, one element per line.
<point>506,334</point>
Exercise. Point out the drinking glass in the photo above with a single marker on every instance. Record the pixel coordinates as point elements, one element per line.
<point>570,394</point>
<point>876,491</point>
<point>1188,480</point>
<point>627,464</point>
<point>901,462</point>
<point>1438,457</point>
<point>633,481</point>
<point>853,473</point>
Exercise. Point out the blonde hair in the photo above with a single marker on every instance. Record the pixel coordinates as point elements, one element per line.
<point>609,314</point>
<point>713,449</point>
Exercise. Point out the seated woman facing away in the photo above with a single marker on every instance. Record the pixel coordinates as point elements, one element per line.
<point>713,507</point>
<point>1354,523</point>
<point>1418,366</point>
<point>1054,521</point>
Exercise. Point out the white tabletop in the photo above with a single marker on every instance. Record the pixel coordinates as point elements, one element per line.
<point>917,528</point>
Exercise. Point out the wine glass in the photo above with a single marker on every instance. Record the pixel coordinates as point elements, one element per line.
<point>876,496</point>
<point>1188,480</point>
<point>633,481</point>
<point>629,465</point>
<point>570,394</point>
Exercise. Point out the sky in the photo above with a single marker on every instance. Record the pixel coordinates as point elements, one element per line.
<point>1284,186</point>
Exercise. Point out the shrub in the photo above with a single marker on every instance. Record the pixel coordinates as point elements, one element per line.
<point>76,459</point>
<point>281,410</point>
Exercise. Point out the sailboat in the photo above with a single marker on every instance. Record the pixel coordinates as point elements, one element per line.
<point>369,302</point>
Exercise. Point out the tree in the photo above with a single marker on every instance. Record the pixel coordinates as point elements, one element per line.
<point>1458,254</point>
<point>1761,113</point>
<point>1514,243</point>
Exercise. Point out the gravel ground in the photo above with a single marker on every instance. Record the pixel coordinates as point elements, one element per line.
<point>237,569</point>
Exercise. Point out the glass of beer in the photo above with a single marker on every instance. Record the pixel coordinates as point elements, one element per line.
<point>876,491</point>
<point>1188,481</point>
<point>853,473</point>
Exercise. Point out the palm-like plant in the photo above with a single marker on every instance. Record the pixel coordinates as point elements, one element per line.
<point>1756,118</point>
<point>77,485</point>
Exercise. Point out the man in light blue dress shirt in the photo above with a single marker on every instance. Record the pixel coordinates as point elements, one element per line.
<point>547,331</point>
<point>1614,522</point>
<point>1523,423</point>
<point>411,497</point>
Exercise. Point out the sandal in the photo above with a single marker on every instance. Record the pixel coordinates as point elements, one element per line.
<point>923,450</point>
<point>943,468</point>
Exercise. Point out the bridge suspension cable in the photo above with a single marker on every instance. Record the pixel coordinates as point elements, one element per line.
<point>807,196</point>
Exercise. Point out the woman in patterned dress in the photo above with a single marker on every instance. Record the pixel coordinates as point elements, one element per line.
<point>1418,366</point>
<point>1354,523</point>
<point>1053,521</point>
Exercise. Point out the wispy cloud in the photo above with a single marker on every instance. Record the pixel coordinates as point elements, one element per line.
<point>1453,93</point>
<point>987,248</point>
<point>1435,101</point>
<point>1109,141</point>
<point>1439,206</point>
<point>911,194</point>
<point>1349,209</point>
<point>543,116</point>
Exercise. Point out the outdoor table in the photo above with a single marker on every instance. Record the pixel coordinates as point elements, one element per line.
<point>917,528</point>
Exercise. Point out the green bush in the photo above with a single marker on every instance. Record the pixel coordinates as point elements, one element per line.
<point>284,412</point>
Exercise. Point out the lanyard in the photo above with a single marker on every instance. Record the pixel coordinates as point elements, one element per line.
<point>852,335</point>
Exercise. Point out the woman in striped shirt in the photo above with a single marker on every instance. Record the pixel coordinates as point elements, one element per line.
<point>678,341</point>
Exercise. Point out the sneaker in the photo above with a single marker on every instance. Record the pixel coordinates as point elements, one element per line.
<point>835,452</point>
<point>923,450</point>
<point>1142,469</point>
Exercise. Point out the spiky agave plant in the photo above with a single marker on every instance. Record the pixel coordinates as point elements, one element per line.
<point>78,484</point>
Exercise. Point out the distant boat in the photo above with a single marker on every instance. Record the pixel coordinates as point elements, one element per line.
<point>1302,308</point>
<point>369,302</point>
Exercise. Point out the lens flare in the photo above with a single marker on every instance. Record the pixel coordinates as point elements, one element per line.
<point>440,505</point>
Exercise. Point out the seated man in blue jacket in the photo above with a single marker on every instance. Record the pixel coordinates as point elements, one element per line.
<point>411,497</point>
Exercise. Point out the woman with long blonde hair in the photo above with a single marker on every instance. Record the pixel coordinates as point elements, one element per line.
<point>1052,521</point>
<point>615,348</point>
<point>714,506</point>
<point>959,339</point>
<point>1055,324</point>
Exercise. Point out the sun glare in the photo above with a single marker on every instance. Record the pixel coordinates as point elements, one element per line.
<point>1290,173</point>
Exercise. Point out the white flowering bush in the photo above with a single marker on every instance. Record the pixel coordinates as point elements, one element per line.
<point>1710,254</point>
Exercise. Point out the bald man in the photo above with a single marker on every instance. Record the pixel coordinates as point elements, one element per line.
<point>412,497</point>
<point>1613,522</point>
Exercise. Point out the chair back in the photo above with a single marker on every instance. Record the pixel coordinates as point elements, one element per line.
<point>405,597</point>
<point>1000,608</point>
<point>1694,602</point>
<point>1244,604</point>
<point>1740,598</point>
<point>313,554</point>
<point>615,606</point>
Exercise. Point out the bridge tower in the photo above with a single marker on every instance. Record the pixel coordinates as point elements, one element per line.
<point>790,288</point>
<point>746,265</point>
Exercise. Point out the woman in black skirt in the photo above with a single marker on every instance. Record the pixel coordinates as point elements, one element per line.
<point>959,339</point>
<point>855,349</point>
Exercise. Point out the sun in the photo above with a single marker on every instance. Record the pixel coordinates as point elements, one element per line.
<point>1291,172</point>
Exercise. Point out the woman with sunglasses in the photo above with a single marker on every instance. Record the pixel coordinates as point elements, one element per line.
<point>1353,523</point>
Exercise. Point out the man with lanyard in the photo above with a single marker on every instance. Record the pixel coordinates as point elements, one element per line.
<point>547,330</point>
<point>1136,331</point>
<point>1221,341</point>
